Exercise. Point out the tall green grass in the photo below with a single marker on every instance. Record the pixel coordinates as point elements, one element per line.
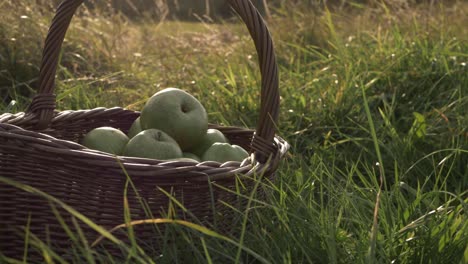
<point>374,104</point>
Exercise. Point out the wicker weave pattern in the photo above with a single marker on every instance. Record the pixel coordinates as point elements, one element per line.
<point>40,148</point>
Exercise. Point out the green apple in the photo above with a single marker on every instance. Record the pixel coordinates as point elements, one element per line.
<point>106,139</point>
<point>223,152</point>
<point>178,114</point>
<point>212,136</point>
<point>190,156</point>
<point>153,144</point>
<point>135,128</point>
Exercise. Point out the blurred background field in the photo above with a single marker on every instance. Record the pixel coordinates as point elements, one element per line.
<point>362,83</point>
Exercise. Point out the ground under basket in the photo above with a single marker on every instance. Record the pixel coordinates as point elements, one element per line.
<point>39,154</point>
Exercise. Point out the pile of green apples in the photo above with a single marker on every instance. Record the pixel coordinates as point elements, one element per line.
<point>173,125</point>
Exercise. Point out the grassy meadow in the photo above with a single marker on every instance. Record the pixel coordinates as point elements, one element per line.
<point>374,103</point>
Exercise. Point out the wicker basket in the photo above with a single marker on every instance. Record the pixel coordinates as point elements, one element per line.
<point>39,148</point>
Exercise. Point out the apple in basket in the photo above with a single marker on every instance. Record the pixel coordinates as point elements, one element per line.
<point>223,152</point>
<point>153,144</point>
<point>135,128</point>
<point>177,113</point>
<point>212,136</point>
<point>106,139</point>
<point>189,155</point>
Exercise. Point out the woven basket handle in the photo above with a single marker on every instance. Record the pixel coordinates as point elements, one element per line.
<point>43,104</point>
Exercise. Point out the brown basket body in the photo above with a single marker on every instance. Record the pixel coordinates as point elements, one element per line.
<point>39,149</point>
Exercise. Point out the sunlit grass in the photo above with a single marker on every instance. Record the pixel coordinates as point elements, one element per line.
<point>374,104</point>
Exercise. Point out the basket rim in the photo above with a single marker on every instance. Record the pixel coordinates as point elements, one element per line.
<point>141,167</point>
